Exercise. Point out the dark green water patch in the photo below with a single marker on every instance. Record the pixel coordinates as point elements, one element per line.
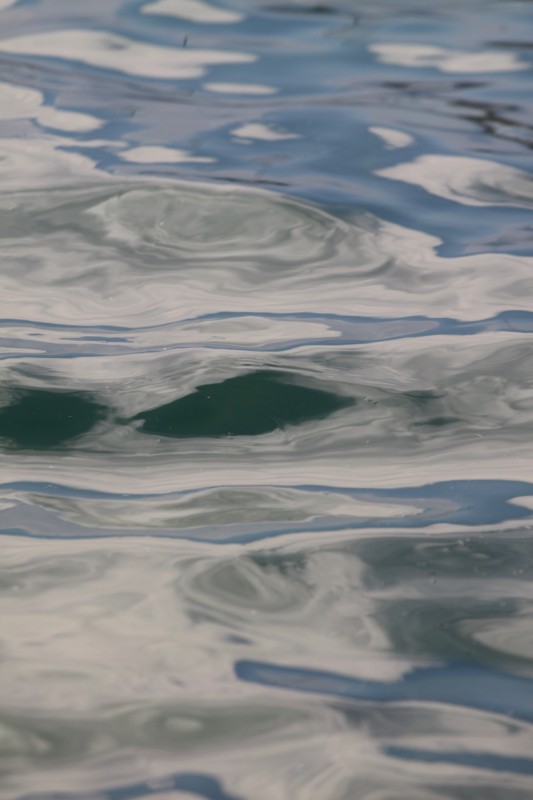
<point>38,418</point>
<point>246,405</point>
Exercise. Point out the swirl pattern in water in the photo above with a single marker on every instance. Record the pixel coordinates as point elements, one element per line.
<point>266,302</point>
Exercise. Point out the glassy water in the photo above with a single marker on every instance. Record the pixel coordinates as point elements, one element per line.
<point>266,404</point>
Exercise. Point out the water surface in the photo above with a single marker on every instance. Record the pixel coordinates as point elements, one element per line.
<point>266,409</point>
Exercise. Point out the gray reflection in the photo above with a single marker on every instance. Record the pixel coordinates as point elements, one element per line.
<point>463,598</point>
<point>137,642</point>
<point>139,254</point>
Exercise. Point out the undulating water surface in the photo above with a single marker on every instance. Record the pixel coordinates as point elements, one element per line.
<point>266,400</point>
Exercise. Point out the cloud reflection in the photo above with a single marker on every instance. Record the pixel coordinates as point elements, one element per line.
<point>111,51</point>
<point>265,133</point>
<point>446,60</point>
<point>193,10</point>
<point>392,138</point>
<point>240,88</point>
<point>155,154</point>
<point>469,181</point>
<point>22,102</point>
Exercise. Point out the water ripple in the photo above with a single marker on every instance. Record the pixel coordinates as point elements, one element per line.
<point>265,255</point>
<point>265,401</point>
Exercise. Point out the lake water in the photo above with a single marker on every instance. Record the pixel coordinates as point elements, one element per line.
<point>266,400</point>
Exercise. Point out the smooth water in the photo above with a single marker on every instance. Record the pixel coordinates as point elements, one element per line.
<point>266,400</point>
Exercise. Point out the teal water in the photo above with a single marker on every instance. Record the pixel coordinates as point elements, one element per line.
<point>266,300</point>
<point>247,405</point>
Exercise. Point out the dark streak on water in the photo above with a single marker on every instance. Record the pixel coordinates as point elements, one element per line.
<point>266,500</point>
<point>247,405</point>
<point>37,418</point>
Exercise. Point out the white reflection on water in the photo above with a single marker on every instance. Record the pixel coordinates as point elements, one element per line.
<point>265,133</point>
<point>193,10</point>
<point>110,51</point>
<point>21,102</point>
<point>392,138</point>
<point>470,181</point>
<point>155,154</point>
<point>28,163</point>
<point>240,88</point>
<point>421,55</point>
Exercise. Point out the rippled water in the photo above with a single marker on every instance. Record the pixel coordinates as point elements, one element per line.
<point>266,404</point>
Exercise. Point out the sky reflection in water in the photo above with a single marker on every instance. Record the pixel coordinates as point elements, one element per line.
<point>265,408</point>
